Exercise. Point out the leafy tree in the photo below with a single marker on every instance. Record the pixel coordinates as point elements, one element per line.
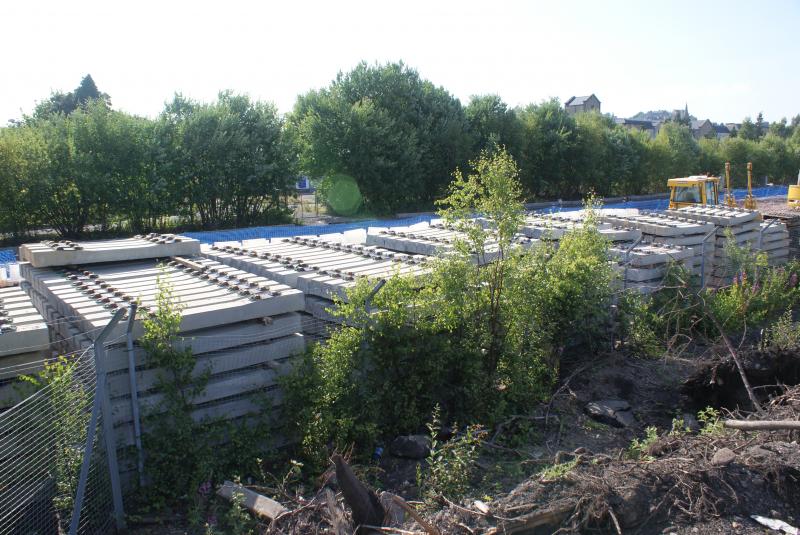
<point>749,130</point>
<point>23,161</point>
<point>760,128</point>
<point>780,128</point>
<point>229,160</point>
<point>396,134</point>
<point>67,103</point>
<point>492,123</point>
<point>548,152</point>
<point>681,147</point>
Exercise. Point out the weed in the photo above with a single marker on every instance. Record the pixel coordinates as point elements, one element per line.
<point>638,448</point>
<point>557,471</point>
<point>710,421</point>
<point>450,464</point>
<point>784,333</point>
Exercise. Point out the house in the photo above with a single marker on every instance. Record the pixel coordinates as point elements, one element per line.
<point>722,131</point>
<point>701,129</point>
<point>582,104</point>
<point>651,127</point>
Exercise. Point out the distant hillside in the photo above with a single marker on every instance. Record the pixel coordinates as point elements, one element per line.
<point>659,115</point>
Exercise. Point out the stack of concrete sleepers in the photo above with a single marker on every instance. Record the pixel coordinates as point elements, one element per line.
<point>790,217</point>
<point>658,227</point>
<point>323,267</point>
<point>63,253</point>
<point>743,226</point>
<point>431,239</point>
<point>243,329</point>
<point>24,342</point>
<point>555,226</point>
<point>775,241</point>
<point>642,266</point>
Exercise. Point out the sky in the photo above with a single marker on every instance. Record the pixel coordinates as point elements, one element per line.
<point>725,59</point>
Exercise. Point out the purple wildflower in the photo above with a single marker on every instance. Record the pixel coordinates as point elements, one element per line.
<point>793,280</point>
<point>204,489</point>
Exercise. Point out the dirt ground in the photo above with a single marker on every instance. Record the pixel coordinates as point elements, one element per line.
<point>679,483</point>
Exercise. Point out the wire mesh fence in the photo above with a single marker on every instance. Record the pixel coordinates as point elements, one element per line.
<point>42,445</point>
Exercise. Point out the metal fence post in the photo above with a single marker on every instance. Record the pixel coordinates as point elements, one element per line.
<point>137,426</point>
<point>703,258</point>
<point>99,396</point>
<point>761,231</point>
<point>108,424</point>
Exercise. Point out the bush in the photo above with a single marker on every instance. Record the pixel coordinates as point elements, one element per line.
<point>479,342</point>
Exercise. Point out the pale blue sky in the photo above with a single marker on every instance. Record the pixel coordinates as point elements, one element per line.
<point>727,59</point>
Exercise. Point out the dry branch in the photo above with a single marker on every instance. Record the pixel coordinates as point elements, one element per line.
<point>762,425</point>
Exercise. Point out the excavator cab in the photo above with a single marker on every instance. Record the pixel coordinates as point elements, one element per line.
<point>693,191</point>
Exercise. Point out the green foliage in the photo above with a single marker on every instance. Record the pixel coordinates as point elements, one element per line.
<point>640,324</point>
<point>639,448</point>
<point>397,135</point>
<point>236,520</point>
<point>480,342</point>
<point>76,162</point>
<point>66,103</point>
<point>66,419</point>
<point>228,159</point>
<point>555,472</point>
<point>185,454</point>
<point>784,334</point>
<point>710,421</point>
<point>451,464</point>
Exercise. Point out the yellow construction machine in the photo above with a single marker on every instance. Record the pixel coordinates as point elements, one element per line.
<point>793,198</point>
<point>704,190</point>
<point>693,191</point>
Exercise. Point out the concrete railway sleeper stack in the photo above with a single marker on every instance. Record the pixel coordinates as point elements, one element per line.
<point>24,342</point>
<point>433,239</point>
<point>659,228</point>
<point>746,229</point>
<point>323,267</point>
<point>243,329</point>
<point>554,227</point>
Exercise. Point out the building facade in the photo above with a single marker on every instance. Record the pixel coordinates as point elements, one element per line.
<point>582,104</point>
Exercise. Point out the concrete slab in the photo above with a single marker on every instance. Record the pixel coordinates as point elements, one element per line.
<point>66,252</point>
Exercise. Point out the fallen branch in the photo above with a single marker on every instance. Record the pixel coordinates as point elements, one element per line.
<point>735,358</point>
<point>550,517</point>
<point>762,425</point>
<point>429,529</point>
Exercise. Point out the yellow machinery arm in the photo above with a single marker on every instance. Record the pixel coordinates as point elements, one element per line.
<point>750,201</point>
<point>729,199</point>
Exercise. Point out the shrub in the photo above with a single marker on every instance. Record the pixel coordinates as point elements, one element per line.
<point>451,463</point>
<point>477,341</point>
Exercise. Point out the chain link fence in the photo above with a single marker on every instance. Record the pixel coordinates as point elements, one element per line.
<point>54,474</point>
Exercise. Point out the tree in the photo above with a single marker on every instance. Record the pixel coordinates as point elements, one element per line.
<point>67,103</point>
<point>228,161</point>
<point>548,151</point>
<point>23,161</point>
<point>748,130</point>
<point>681,148</point>
<point>492,124</point>
<point>780,128</point>
<point>760,128</point>
<point>397,135</point>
